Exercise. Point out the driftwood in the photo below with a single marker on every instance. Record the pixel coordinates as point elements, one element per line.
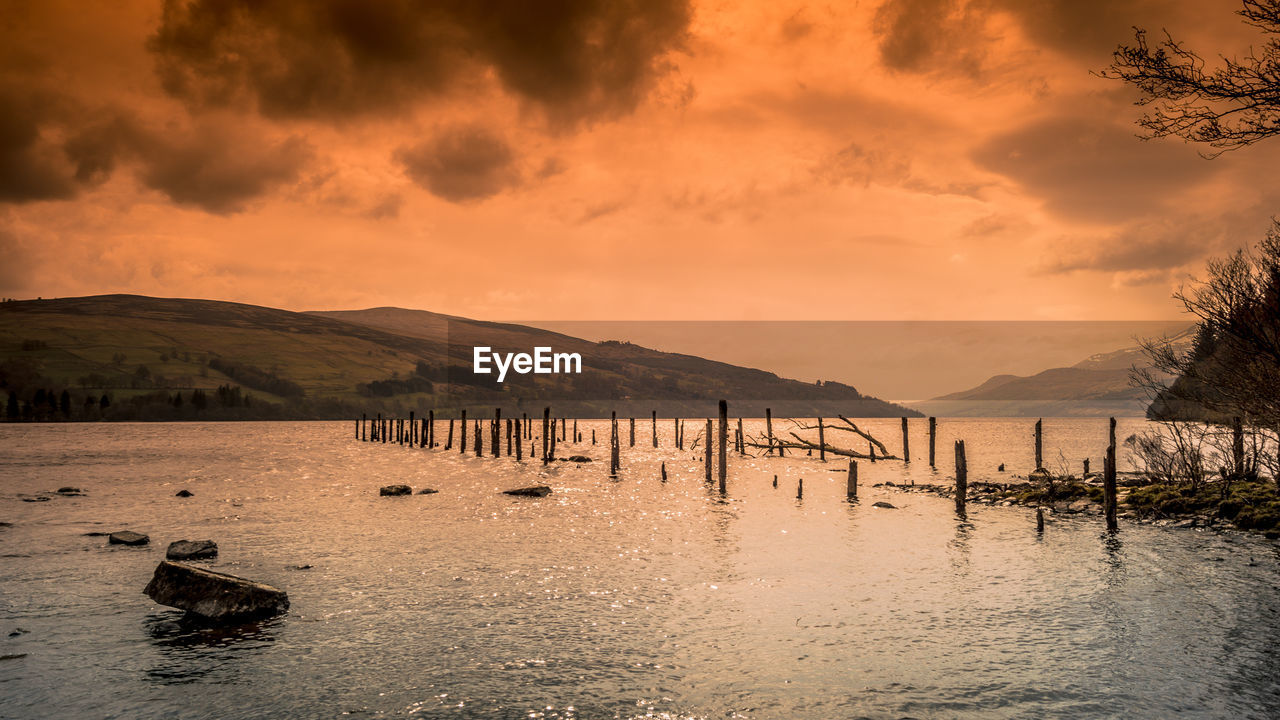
<point>800,443</point>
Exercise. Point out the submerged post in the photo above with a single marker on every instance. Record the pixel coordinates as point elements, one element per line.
<point>851,488</point>
<point>479,443</point>
<point>800,489</point>
<point>933,436</point>
<point>633,432</point>
<point>768,428</point>
<point>655,428</point>
<point>413,429</point>
<point>552,447</point>
<point>519,440</point>
<point>431,429</point>
<point>822,442</point>
<point>546,429</point>
<point>497,433</point>
<point>664,471</point>
<point>449,442</point>
<point>462,433</point>
<point>1039,444</point>
<point>741,440</point>
<point>1109,480</point>
<point>723,452</point>
<point>906,442</point>
<point>962,477</point>
<point>613,444</point>
<point>1040,520</point>
<point>508,437</point>
<point>708,449</point>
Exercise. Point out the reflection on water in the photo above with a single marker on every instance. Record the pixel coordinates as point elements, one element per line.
<point>621,598</point>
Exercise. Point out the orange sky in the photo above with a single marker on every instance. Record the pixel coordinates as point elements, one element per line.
<point>908,159</point>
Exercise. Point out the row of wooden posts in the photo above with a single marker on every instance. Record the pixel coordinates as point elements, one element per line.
<point>421,432</point>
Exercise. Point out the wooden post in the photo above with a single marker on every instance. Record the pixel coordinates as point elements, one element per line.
<point>1237,447</point>
<point>1109,480</point>
<point>497,432</point>
<point>675,433</point>
<point>613,444</point>
<point>508,437</point>
<point>563,428</point>
<point>413,429</point>
<point>933,436</point>
<point>822,442</point>
<point>851,488</point>
<point>449,442</point>
<point>871,451</point>
<point>800,489</point>
<point>906,443</point>
<point>552,451</point>
<point>708,449</point>
<point>664,471</point>
<point>462,433</point>
<point>962,477</point>
<point>633,432</point>
<point>382,429</point>
<point>546,429</point>
<point>364,423</point>
<point>742,445</point>
<point>479,444</point>
<point>723,454</point>
<point>655,428</point>
<point>593,437</point>
<point>519,439</point>
<point>431,429</point>
<point>768,428</point>
<point>1040,520</point>
<point>1039,444</point>
<point>1086,468</point>
<point>576,436</point>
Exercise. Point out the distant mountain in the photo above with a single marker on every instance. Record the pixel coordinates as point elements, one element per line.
<point>164,358</point>
<point>1097,386</point>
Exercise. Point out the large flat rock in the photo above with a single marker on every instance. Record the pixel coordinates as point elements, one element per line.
<point>213,595</point>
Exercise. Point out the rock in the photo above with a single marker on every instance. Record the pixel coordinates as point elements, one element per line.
<point>578,458</point>
<point>96,533</point>
<point>887,483</point>
<point>395,490</point>
<point>300,567</point>
<point>184,493</point>
<point>38,498</point>
<point>212,595</point>
<point>883,504</point>
<point>428,491</point>
<point>1039,475</point>
<point>70,491</point>
<point>1081,505</point>
<point>13,656</point>
<point>1272,534</point>
<point>127,537</point>
<point>1001,468</point>
<point>192,550</point>
<point>534,491</point>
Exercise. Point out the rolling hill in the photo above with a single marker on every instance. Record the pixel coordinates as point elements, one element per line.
<point>165,358</point>
<point>1097,386</point>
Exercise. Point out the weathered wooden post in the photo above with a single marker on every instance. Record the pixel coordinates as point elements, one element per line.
<point>962,477</point>
<point>768,428</point>
<point>655,428</point>
<point>822,442</point>
<point>1237,447</point>
<point>413,429</point>
<point>871,451</point>
<point>1086,469</point>
<point>497,433</point>
<point>593,437</point>
<point>933,436</point>
<point>675,433</point>
<point>462,433</point>
<point>613,444</point>
<point>1039,444</point>
<point>851,486</point>
<point>357,429</point>
<point>742,445</point>
<point>708,449</point>
<point>664,471</point>
<point>546,430</point>
<point>479,444</point>
<point>382,429</point>
<point>1040,520</point>
<point>723,453</point>
<point>519,439</point>
<point>563,428</point>
<point>1109,479</point>
<point>448,445</point>
<point>633,432</point>
<point>576,436</point>
<point>906,443</point>
<point>508,437</point>
<point>363,433</point>
<point>800,489</point>
<point>552,447</point>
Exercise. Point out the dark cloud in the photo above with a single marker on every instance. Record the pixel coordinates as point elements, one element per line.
<point>32,165</point>
<point>797,26</point>
<point>576,59</point>
<point>952,36</point>
<point>1093,169</point>
<point>219,169</point>
<point>462,164</point>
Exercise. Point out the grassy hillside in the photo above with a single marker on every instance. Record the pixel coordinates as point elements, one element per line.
<point>158,358</point>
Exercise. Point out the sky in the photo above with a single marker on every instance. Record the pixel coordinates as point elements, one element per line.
<point>612,160</point>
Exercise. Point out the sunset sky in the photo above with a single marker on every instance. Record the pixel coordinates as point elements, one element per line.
<point>649,160</point>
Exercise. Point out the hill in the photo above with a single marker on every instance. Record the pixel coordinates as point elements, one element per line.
<point>166,358</point>
<point>1097,386</point>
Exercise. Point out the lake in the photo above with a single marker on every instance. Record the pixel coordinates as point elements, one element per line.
<point>627,598</point>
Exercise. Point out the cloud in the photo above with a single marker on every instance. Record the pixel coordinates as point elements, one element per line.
<point>32,165</point>
<point>462,164</point>
<point>340,58</point>
<point>1090,168</point>
<point>858,165</point>
<point>220,169</point>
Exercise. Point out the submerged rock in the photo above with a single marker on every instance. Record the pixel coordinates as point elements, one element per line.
<point>127,537</point>
<point>428,491</point>
<point>213,595</point>
<point>579,459</point>
<point>883,504</point>
<point>37,498</point>
<point>184,493</point>
<point>70,491</point>
<point>534,491</point>
<point>395,490</point>
<point>1039,475</point>
<point>192,550</point>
